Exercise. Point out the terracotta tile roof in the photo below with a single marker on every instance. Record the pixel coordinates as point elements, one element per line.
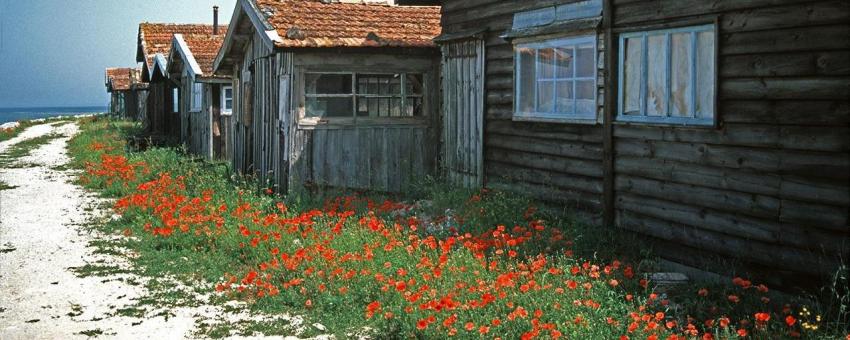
<point>156,38</point>
<point>204,48</point>
<point>313,23</point>
<point>121,78</point>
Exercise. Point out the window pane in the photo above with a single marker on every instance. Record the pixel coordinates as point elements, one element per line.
<point>317,83</point>
<point>564,63</point>
<point>545,94</point>
<point>414,107</point>
<point>680,76</point>
<point>705,75</point>
<point>565,98</point>
<point>585,63</point>
<point>656,87</point>
<point>632,75</point>
<point>330,107</point>
<point>527,79</point>
<point>585,104</point>
<point>546,63</point>
<point>414,84</point>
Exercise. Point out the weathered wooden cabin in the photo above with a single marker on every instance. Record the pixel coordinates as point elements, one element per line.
<point>206,100</point>
<point>153,46</point>
<point>712,128</point>
<point>333,94</point>
<point>127,92</point>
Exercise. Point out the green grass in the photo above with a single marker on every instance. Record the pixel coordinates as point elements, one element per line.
<point>24,148</point>
<point>6,134</point>
<point>6,186</point>
<point>198,261</point>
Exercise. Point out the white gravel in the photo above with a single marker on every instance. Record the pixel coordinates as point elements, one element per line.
<point>43,236</point>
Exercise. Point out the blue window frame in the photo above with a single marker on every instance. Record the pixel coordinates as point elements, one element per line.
<point>668,76</point>
<point>556,80</point>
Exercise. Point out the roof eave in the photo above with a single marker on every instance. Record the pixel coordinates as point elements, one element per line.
<point>266,31</point>
<point>180,46</point>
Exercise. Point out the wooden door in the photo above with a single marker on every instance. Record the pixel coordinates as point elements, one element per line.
<point>463,112</point>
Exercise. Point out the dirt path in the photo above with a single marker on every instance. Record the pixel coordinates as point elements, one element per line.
<point>43,238</point>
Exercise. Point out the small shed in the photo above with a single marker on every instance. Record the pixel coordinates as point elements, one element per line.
<point>333,94</point>
<point>153,46</point>
<point>127,92</point>
<point>710,128</point>
<point>206,100</point>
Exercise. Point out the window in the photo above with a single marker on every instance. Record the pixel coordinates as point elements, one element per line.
<point>556,79</point>
<point>227,100</point>
<point>668,76</point>
<point>197,97</point>
<point>363,95</point>
<point>175,100</point>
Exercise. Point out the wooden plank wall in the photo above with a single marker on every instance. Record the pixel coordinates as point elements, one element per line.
<point>254,123</point>
<point>772,183</point>
<point>161,121</point>
<point>557,163</point>
<point>384,158</point>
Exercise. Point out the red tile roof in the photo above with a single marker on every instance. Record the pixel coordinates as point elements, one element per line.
<point>156,38</point>
<point>314,23</point>
<point>121,78</point>
<point>204,48</point>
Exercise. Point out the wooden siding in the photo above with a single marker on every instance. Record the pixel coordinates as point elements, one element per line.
<point>160,119</point>
<point>555,162</point>
<point>255,111</point>
<point>769,185</point>
<point>772,183</point>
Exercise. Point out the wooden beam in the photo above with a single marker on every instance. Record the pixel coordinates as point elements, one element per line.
<point>608,212</point>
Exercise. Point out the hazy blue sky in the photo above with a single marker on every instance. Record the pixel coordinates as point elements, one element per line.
<point>54,52</point>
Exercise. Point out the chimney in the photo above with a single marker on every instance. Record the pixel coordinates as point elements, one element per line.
<point>215,20</point>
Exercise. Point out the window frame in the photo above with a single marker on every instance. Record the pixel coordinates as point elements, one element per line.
<point>692,121</point>
<point>554,117</point>
<point>306,118</point>
<point>196,97</point>
<point>224,110</point>
<point>175,99</point>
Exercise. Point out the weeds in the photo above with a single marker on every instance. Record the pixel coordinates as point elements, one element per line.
<point>460,263</point>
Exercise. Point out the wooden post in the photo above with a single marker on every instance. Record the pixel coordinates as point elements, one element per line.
<point>608,116</point>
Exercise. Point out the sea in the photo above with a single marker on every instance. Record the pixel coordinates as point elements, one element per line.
<point>17,114</point>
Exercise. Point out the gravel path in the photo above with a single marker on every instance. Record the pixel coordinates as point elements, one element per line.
<point>43,238</point>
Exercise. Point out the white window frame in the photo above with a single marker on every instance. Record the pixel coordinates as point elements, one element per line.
<point>694,118</point>
<point>560,117</point>
<point>197,97</point>
<point>224,109</point>
<point>175,100</point>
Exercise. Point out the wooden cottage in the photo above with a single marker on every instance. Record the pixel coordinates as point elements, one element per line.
<point>153,47</point>
<point>709,127</point>
<point>127,92</point>
<point>206,100</point>
<point>333,94</point>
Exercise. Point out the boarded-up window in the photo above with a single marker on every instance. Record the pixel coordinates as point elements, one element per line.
<point>668,76</point>
<point>556,79</point>
<point>363,94</point>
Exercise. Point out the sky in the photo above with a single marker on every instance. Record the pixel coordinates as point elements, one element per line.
<point>53,53</point>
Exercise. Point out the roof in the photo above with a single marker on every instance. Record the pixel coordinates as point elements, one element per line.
<point>320,23</point>
<point>203,48</point>
<point>120,79</point>
<point>156,38</point>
